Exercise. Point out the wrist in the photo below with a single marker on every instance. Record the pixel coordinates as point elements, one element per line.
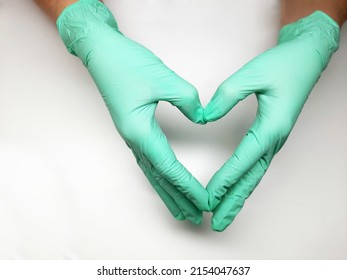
<point>78,21</point>
<point>317,30</point>
<point>292,10</point>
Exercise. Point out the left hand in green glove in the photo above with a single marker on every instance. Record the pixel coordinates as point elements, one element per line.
<point>282,79</point>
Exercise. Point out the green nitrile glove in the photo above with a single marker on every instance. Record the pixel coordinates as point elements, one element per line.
<point>132,80</point>
<point>282,79</point>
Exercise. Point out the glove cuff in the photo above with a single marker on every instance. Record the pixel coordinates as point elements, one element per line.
<point>78,19</point>
<point>319,30</point>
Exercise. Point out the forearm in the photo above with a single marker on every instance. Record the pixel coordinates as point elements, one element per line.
<point>53,8</point>
<point>292,10</point>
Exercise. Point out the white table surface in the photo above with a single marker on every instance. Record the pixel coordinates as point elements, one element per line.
<point>70,187</point>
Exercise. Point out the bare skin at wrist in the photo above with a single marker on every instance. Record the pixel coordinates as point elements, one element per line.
<point>292,10</point>
<point>54,8</point>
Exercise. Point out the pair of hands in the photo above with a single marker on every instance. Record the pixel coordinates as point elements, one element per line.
<point>132,80</point>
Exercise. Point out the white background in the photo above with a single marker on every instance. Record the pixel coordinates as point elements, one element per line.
<point>70,188</point>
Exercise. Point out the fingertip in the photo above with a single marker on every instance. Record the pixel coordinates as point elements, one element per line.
<point>214,197</point>
<point>204,118</point>
<point>208,208</point>
<point>219,226</point>
<point>212,112</point>
<point>197,220</point>
<point>213,202</point>
<point>221,222</point>
<point>203,202</point>
<point>194,191</point>
<point>200,116</point>
<point>188,102</point>
<point>219,105</point>
<point>226,212</point>
<point>180,217</point>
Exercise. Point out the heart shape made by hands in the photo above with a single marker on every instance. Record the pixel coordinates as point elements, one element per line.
<point>132,81</point>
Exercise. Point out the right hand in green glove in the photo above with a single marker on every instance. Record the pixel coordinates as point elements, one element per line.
<point>132,80</point>
<point>282,79</point>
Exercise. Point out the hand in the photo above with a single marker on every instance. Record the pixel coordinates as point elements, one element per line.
<point>132,80</point>
<point>282,79</point>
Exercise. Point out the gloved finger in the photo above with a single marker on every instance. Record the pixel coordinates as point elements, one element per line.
<point>183,95</point>
<point>188,208</point>
<point>166,198</point>
<point>234,199</point>
<point>252,147</point>
<point>234,89</point>
<point>171,196</point>
<point>158,152</point>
